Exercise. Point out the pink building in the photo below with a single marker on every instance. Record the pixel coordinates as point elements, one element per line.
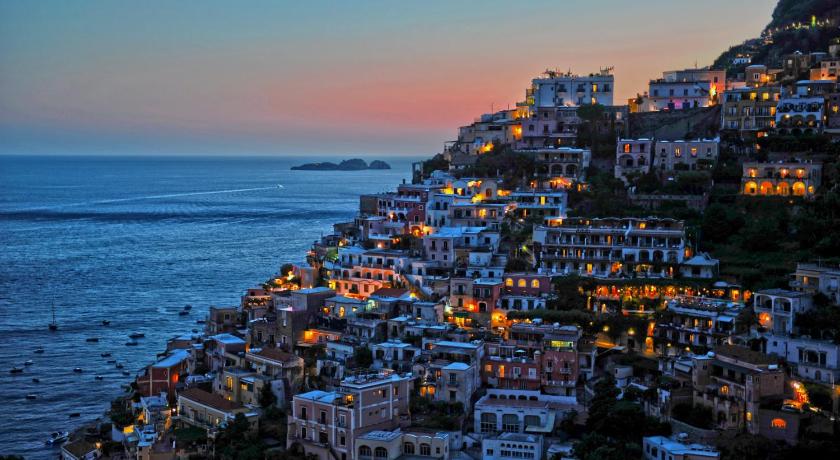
<point>326,424</point>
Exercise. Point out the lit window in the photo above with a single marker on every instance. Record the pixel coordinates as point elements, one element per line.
<point>778,424</point>
<point>535,284</point>
<point>521,283</point>
<point>509,282</point>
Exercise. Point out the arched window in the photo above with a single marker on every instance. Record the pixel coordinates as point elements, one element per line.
<point>425,449</point>
<point>799,189</point>
<point>509,282</point>
<point>535,283</point>
<point>364,451</point>
<point>750,188</point>
<point>522,283</point>
<point>778,423</point>
<point>766,188</point>
<point>408,448</point>
<point>782,189</point>
<point>381,452</point>
<point>626,148</point>
<point>510,423</point>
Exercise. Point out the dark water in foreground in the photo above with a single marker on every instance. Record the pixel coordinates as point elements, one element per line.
<point>132,240</point>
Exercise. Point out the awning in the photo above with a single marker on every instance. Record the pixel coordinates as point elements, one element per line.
<point>547,428</point>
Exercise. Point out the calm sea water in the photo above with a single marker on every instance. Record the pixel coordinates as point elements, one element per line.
<point>132,240</point>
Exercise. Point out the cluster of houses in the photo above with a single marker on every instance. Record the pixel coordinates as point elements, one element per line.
<point>407,335</point>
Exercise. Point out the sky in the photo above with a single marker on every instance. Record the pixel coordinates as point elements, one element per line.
<point>320,78</point>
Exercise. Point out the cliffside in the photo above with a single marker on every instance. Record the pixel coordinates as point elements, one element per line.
<point>677,124</point>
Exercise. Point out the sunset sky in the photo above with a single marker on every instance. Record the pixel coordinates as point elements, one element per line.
<point>336,78</point>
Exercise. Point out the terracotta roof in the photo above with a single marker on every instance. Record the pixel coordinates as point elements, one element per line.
<point>744,354</point>
<point>389,292</point>
<point>79,448</point>
<point>275,355</point>
<point>209,399</point>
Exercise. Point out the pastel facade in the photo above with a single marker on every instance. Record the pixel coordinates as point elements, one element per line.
<point>782,179</point>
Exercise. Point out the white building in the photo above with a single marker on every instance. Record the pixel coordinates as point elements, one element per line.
<point>510,446</point>
<point>777,309</point>
<point>662,448</point>
<point>817,360</point>
<point>557,89</point>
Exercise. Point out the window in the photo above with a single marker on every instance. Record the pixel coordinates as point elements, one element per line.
<point>535,283</point>
<point>381,452</point>
<point>408,448</point>
<point>510,423</point>
<point>509,282</point>
<point>303,433</point>
<point>425,449</point>
<point>488,422</point>
<point>323,418</point>
<point>522,283</point>
<point>322,437</point>
<point>364,451</point>
<point>303,413</point>
<point>779,424</point>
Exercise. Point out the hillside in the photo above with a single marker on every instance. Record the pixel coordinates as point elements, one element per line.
<point>796,25</point>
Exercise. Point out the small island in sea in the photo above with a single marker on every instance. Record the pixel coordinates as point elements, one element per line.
<point>355,164</point>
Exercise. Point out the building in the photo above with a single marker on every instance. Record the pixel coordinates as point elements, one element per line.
<point>556,349</point>
<point>610,247</point>
<point>660,447</point>
<point>689,155</point>
<point>789,178</point>
<point>557,89</point>
<point>517,411</point>
<point>328,424</point>
<point>696,322</point>
<point>750,111</point>
<point>800,115</point>
<point>812,360</point>
<point>454,369</point>
<point>777,309</point>
<point>391,445</point>
<point>211,411</point>
<point>678,95</point>
<point>80,450</point>
<point>510,446</point>
<point>165,374</point>
<point>559,167</point>
<point>811,278</point>
<point>548,205</point>
<point>732,382</point>
<point>633,156</point>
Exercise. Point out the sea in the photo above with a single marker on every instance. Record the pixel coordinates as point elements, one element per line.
<point>132,240</point>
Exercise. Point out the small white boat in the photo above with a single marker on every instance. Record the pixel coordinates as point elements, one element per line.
<point>28,362</point>
<point>31,396</point>
<point>99,377</point>
<point>39,350</point>
<point>58,437</point>
<point>77,370</point>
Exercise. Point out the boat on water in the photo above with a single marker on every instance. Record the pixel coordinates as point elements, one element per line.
<point>200,321</point>
<point>28,362</point>
<point>75,414</point>
<point>126,373</point>
<point>39,350</point>
<point>195,331</point>
<point>16,370</point>
<point>187,307</point>
<point>111,361</point>
<point>133,343</point>
<point>105,355</point>
<point>136,335</point>
<point>92,339</point>
<point>31,396</point>
<point>183,313</point>
<point>77,370</point>
<point>105,322</point>
<point>36,380</point>
<point>54,324</point>
<point>119,366</point>
<point>99,377</point>
<point>58,437</point>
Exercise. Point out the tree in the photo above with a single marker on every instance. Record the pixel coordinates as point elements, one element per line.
<point>267,396</point>
<point>363,357</point>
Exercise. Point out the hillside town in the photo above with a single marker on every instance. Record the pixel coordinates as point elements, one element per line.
<point>574,277</point>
